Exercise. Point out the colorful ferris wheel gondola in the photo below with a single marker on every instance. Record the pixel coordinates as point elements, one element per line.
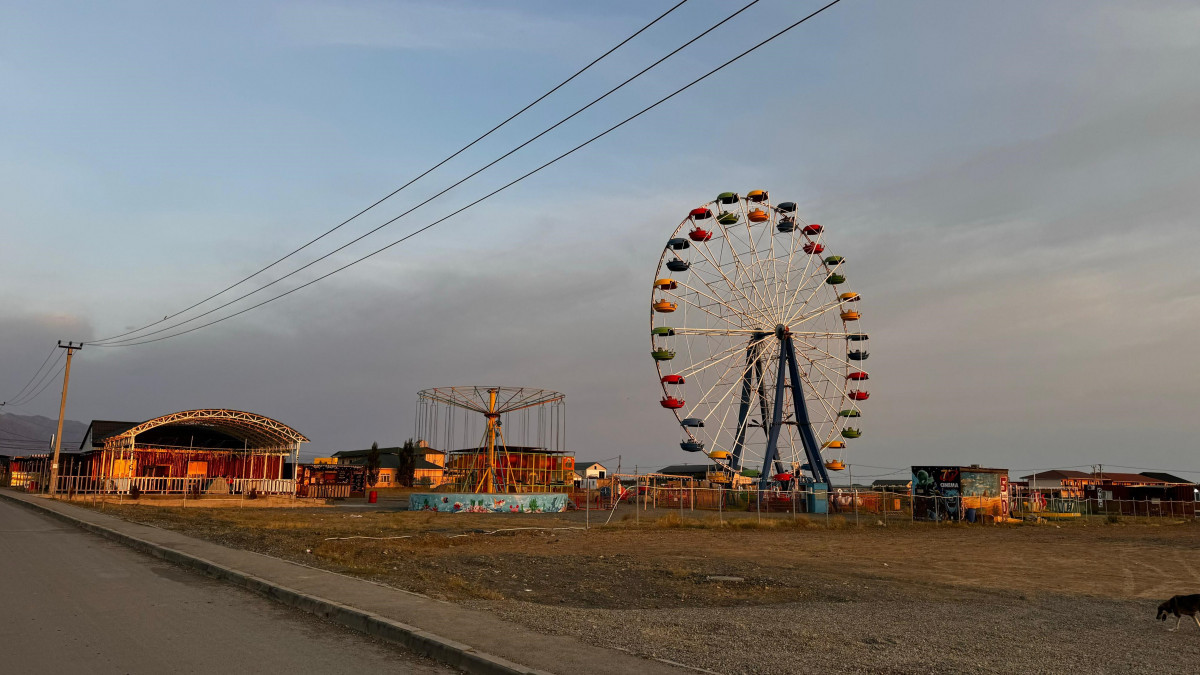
<point>759,364</point>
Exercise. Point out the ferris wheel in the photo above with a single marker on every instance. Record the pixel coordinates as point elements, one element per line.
<point>758,342</point>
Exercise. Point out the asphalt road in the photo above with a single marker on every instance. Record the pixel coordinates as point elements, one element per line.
<point>71,601</point>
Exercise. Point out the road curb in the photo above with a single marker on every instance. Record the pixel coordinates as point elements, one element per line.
<point>444,650</point>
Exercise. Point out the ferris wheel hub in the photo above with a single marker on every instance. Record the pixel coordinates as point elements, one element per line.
<point>782,331</point>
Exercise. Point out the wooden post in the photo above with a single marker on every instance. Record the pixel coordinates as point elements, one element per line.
<point>62,409</point>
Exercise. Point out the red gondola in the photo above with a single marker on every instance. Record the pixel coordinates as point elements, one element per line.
<point>812,229</point>
<point>700,213</point>
<point>784,477</point>
<point>700,235</point>
<point>813,247</point>
<point>671,402</point>
<point>857,375</point>
<point>859,395</point>
<point>672,379</point>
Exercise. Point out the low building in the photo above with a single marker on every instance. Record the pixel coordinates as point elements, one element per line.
<point>589,474</point>
<point>1059,482</point>
<point>899,486</point>
<point>952,492</point>
<point>1168,478</point>
<point>427,465</point>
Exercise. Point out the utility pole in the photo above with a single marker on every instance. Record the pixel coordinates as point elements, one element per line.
<point>71,348</point>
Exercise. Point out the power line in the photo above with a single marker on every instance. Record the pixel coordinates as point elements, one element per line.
<point>437,195</point>
<point>43,382</point>
<point>419,176</point>
<point>492,193</point>
<point>49,381</point>
<point>31,379</point>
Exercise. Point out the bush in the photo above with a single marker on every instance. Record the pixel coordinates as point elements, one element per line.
<point>134,491</point>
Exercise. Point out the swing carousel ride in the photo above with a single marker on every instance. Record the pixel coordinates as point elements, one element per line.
<point>758,342</point>
<point>499,440</point>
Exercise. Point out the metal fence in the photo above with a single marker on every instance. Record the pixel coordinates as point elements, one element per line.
<point>84,485</point>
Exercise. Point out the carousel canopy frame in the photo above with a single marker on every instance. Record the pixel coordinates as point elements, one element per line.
<point>257,431</point>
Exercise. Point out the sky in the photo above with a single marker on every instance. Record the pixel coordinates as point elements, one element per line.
<point>1013,183</point>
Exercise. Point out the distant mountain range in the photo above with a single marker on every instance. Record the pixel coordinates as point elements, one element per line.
<point>29,434</point>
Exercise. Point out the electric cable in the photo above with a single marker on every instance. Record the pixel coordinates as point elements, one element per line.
<point>496,191</point>
<point>30,398</point>
<point>437,195</point>
<point>419,176</point>
<point>45,379</point>
<point>31,379</point>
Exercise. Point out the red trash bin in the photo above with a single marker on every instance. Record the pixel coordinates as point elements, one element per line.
<point>372,497</point>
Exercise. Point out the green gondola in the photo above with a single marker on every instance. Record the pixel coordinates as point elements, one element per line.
<point>662,354</point>
<point>727,218</point>
<point>727,197</point>
<point>850,432</point>
<point>751,473</point>
<point>665,331</point>
<point>835,260</point>
<point>835,279</point>
<point>850,413</point>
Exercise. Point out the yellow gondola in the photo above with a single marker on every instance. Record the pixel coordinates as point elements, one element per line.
<point>835,465</point>
<point>665,306</point>
<point>719,454</point>
<point>756,196</point>
<point>848,297</point>
<point>834,444</point>
<point>666,284</point>
<point>850,316</point>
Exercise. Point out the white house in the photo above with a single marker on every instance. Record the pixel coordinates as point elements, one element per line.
<point>587,474</point>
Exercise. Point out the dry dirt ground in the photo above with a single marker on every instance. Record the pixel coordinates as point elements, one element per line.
<point>806,596</point>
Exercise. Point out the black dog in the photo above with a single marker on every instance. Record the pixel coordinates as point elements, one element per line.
<point>1180,605</point>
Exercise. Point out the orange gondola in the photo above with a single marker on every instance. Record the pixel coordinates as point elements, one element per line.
<point>758,216</point>
<point>665,306</point>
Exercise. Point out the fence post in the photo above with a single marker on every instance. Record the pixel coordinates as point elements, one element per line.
<point>587,508</point>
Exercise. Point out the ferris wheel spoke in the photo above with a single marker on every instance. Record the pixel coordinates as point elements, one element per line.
<point>720,270</point>
<point>819,280</point>
<point>719,302</point>
<point>731,244</point>
<point>712,406</point>
<point>799,314</point>
<point>829,357</point>
<point>809,316</point>
<point>816,278</point>
<point>804,276</point>
<point>724,355</point>
<point>716,331</point>
<point>715,303</point>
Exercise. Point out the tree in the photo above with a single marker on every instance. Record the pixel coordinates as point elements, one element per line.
<point>408,463</point>
<point>373,464</point>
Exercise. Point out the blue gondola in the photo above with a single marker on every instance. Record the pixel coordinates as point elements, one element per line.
<point>786,224</point>
<point>856,337</point>
<point>692,446</point>
<point>858,355</point>
<point>786,207</point>
<point>678,265</point>
<point>692,422</point>
<point>678,244</point>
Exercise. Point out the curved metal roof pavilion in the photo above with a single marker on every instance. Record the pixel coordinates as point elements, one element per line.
<point>255,431</point>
